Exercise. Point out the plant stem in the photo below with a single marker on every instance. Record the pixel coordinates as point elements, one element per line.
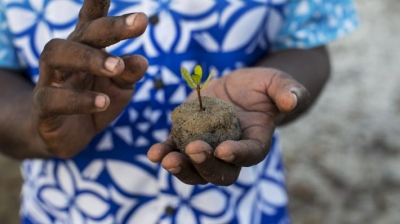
<point>199,96</point>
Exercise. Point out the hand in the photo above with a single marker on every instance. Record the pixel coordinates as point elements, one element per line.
<point>262,98</point>
<point>82,88</point>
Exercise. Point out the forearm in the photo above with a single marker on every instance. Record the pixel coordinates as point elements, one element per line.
<point>18,138</point>
<point>309,67</point>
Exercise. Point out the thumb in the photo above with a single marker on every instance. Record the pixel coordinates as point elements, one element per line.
<point>288,95</point>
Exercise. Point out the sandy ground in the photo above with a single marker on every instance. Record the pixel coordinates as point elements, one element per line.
<point>342,158</point>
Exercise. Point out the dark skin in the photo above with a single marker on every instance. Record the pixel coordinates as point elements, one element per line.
<point>81,88</point>
<point>264,99</point>
<point>78,96</point>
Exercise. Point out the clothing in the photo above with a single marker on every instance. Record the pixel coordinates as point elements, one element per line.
<point>112,181</point>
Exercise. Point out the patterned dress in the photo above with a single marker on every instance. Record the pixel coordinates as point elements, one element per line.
<point>112,181</point>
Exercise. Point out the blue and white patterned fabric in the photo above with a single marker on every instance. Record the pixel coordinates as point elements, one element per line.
<point>112,181</point>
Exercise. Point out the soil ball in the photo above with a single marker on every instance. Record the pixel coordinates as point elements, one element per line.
<point>217,123</point>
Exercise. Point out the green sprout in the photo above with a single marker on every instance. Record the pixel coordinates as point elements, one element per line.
<point>195,79</point>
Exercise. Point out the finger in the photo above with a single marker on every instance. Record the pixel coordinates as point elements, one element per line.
<point>52,101</point>
<point>135,68</point>
<point>288,94</point>
<point>72,56</point>
<point>93,9</point>
<point>209,167</point>
<point>247,152</point>
<point>180,166</point>
<point>158,151</point>
<point>174,162</point>
<point>242,153</point>
<point>106,31</point>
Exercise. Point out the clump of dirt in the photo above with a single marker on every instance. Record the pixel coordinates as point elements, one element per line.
<point>217,123</point>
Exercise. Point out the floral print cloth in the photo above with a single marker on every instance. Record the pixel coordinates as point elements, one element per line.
<point>112,181</point>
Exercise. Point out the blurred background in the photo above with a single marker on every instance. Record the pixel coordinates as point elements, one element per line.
<point>342,158</point>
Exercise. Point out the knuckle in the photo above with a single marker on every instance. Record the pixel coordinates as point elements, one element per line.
<point>42,103</point>
<point>52,45</point>
<point>49,48</point>
<point>99,33</point>
<point>85,54</point>
<point>112,21</point>
<point>41,98</point>
<point>79,34</point>
<point>74,104</point>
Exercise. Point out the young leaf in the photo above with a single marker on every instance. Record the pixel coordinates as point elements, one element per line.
<point>208,79</point>
<point>198,70</point>
<point>196,79</point>
<point>188,78</point>
<point>198,74</point>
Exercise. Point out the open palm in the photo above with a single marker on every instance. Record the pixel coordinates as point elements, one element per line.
<point>261,97</point>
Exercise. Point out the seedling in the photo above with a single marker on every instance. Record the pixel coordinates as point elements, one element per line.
<point>214,123</point>
<point>195,80</point>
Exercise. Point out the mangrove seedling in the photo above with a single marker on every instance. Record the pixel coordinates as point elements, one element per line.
<point>214,123</point>
<point>195,80</point>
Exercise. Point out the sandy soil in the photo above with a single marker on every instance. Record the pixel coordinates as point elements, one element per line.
<point>342,158</point>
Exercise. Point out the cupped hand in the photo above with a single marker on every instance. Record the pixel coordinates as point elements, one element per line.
<point>262,98</point>
<point>82,88</point>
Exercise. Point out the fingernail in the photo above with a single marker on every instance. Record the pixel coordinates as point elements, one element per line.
<point>175,170</point>
<point>100,102</point>
<point>130,20</point>
<point>111,63</point>
<point>295,100</point>
<point>198,158</point>
<point>228,158</point>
